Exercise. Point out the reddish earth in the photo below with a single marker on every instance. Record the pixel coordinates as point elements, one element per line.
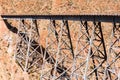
<point>9,70</point>
<point>60,6</point>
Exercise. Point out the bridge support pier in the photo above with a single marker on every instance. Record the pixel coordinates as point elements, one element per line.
<point>75,47</point>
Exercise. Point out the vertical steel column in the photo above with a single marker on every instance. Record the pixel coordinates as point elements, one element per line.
<point>114,53</point>
<point>98,52</point>
<point>66,34</point>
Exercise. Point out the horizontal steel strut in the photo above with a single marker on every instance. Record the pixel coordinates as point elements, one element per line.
<point>99,18</point>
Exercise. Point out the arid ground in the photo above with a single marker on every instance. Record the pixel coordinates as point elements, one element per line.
<point>9,70</point>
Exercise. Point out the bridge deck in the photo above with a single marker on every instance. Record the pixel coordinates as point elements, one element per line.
<point>99,18</point>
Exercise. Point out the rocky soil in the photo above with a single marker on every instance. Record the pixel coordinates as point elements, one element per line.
<point>60,6</point>
<point>9,70</point>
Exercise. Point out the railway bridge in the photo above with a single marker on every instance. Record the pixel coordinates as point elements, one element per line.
<point>76,47</point>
